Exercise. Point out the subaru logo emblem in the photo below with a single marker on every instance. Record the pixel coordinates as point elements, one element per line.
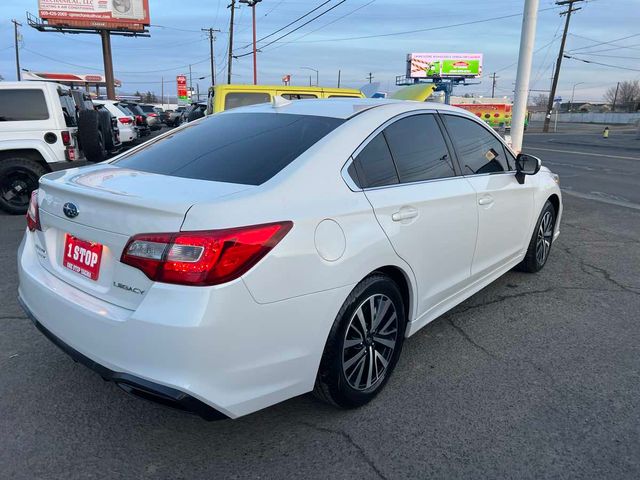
<point>70,210</point>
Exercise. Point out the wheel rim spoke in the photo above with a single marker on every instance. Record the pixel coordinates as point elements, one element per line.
<point>369,342</point>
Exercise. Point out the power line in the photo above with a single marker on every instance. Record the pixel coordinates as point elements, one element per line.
<point>325,25</point>
<point>295,29</point>
<point>610,42</point>
<point>408,32</point>
<point>120,72</point>
<point>603,64</point>
<point>288,24</point>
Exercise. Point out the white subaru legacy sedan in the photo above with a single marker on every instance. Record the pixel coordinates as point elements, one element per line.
<point>278,249</point>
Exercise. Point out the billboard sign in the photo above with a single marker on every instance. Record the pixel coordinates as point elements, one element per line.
<point>183,94</point>
<point>130,15</point>
<point>443,65</point>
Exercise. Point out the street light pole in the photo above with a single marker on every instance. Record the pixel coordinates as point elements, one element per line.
<point>573,91</point>
<point>252,4</point>
<point>525,58</point>
<point>317,75</point>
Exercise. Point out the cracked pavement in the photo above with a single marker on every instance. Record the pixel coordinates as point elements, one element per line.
<point>535,376</point>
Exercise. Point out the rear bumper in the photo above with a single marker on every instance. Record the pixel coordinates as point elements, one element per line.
<point>216,345</point>
<point>131,384</point>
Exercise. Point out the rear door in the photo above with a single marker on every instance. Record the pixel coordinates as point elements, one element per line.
<point>426,209</point>
<point>505,208</point>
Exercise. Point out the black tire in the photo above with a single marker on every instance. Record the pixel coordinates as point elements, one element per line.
<point>335,386</point>
<point>541,241</point>
<point>106,127</point>
<point>18,178</point>
<point>91,137</point>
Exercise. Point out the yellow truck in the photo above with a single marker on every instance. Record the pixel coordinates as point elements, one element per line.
<point>226,97</point>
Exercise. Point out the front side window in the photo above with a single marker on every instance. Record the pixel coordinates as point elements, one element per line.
<point>23,104</point>
<point>374,165</point>
<point>478,150</point>
<point>244,148</point>
<point>418,149</point>
<point>243,99</point>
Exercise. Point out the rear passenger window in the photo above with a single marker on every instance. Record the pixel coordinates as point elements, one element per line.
<point>478,150</point>
<point>235,100</point>
<point>22,104</point>
<point>298,96</point>
<point>418,149</point>
<point>374,165</point>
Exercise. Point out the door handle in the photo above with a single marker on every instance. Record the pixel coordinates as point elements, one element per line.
<point>487,200</point>
<point>404,214</point>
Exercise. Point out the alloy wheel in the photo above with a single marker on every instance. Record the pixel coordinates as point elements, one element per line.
<point>369,342</point>
<point>545,235</point>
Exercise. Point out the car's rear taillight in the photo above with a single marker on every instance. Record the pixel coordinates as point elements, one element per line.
<point>152,114</point>
<point>139,120</point>
<point>125,120</point>
<point>66,137</point>
<point>33,213</point>
<point>202,258</point>
<point>70,154</point>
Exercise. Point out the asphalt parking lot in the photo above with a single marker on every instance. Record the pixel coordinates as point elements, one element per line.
<point>536,376</point>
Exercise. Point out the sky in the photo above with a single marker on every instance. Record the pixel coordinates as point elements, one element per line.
<point>603,31</point>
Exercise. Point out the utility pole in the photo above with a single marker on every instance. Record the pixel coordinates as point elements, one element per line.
<point>554,85</point>
<point>162,91</point>
<point>252,4</point>
<point>370,77</point>
<point>230,59</point>
<point>615,98</point>
<point>190,84</point>
<point>525,58</point>
<point>212,40</point>
<point>108,64</point>
<point>493,84</point>
<point>339,73</point>
<point>16,24</point>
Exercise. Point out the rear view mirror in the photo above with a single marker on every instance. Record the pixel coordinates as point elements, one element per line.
<point>526,165</point>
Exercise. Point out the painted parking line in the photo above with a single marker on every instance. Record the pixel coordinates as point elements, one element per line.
<point>583,153</point>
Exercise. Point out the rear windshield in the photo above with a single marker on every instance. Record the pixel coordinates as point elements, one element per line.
<point>147,108</point>
<point>246,148</point>
<point>23,104</point>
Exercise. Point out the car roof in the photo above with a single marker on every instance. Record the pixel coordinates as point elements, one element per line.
<point>340,107</point>
<point>285,88</point>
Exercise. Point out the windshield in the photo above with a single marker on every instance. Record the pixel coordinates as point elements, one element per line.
<point>246,148</point>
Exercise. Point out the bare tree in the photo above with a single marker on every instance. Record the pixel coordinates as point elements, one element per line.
<point>541,100</point>
<point>628,95</point>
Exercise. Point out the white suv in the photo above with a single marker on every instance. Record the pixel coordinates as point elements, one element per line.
<point>126,121</point>
<point>42,126</point>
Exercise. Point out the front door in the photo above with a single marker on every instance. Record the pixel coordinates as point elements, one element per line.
<point>505,207</point>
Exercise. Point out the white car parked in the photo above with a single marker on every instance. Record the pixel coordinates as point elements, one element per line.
<point>126,122</point>
<point>274,250</point>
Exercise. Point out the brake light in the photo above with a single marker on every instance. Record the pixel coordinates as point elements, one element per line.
<point>209,257</point>
<point>33,213</point>
<point>139,119</point>
<point>125,120</point>
<point>66,137</point>
<point>152,114</point>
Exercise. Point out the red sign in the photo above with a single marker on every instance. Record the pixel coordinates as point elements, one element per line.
<point>183,95</point>
<point>82,257</point>
<point>102,14</point>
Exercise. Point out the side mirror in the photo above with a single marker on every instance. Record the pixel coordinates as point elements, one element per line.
<point>526,165</point>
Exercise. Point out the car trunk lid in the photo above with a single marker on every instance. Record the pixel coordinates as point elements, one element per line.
<point>97,209</point>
